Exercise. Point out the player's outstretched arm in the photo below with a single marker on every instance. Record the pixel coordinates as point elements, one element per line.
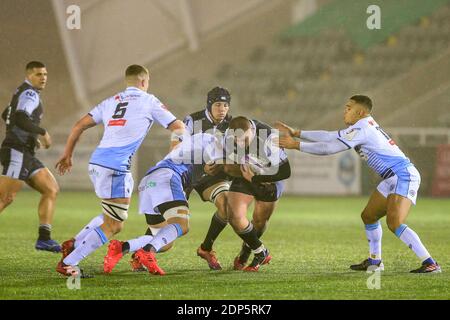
<point>178,130</point>
<point>317,148</point>
<point>313,136</point>
<point>64,163</point>
<point>323,148</point>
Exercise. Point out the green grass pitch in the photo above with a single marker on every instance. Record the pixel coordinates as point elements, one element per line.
<point>312,241</point>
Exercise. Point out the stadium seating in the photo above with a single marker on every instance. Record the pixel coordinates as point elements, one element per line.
<point>300,78</point>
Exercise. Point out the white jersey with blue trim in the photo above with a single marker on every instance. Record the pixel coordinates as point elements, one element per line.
<point>199,148</point>
<point>374,146</point>
<point>127,118</point>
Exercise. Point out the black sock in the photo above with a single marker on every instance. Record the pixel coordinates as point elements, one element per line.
<point>259,234</point>
<point>148,232</point>
<point>250,237</point>
<point>245,252</point>
<point>215,228</point>
<point>44,232</point>
<point>125,248</point>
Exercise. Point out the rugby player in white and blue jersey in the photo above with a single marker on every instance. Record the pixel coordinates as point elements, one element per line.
<point>162,198</point>
<point>395,193</point>
<point>127,117</point>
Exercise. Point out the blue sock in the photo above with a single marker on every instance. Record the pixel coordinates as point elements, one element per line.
<point>430,260</point>
<point>374,261</point>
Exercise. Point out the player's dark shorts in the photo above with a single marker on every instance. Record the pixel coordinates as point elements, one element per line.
<point>19,165</point>
<point>268,192</point>
<point>210,181</point>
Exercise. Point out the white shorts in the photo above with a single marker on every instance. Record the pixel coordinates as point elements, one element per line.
<point>109,183</point>
<point>405,183</point>
<point>160,186</point>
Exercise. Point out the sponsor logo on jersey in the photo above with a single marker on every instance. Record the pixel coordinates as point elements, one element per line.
<point>117,123</point>
<point>30,94</point>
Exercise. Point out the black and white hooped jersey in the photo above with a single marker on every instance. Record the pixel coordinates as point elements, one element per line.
<point>26,99</point>
<point>263,147</point>
<point>201,122</point>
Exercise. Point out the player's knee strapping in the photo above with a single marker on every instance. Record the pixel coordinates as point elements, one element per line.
<point>218,190</point>
<point>180,212</point>
<point>116,211</point>
<point>177,212</point>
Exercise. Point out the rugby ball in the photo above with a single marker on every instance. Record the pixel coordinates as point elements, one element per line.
<point>256,165</point>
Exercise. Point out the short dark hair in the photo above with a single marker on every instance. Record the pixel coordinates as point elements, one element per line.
<point>240,122</point>
<point>135,70</point>
<point>34,64</point>
<point>363,100</point>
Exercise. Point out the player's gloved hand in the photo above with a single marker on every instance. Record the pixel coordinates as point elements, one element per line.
<point>64,164</point>
<point>45,141</point>
<point>285,129</point>
<point>212,169</point>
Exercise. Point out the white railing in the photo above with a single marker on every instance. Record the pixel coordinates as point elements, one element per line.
<point>422,133</point>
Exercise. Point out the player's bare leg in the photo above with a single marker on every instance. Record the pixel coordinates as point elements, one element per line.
<point>372,213</point>
<point>8,190</point>
<point>375,209</point>
<point>397,210</point>
<point>261,214</point>
<point>218,222</point>
<point>45,183</point>
<point>238,204</point>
